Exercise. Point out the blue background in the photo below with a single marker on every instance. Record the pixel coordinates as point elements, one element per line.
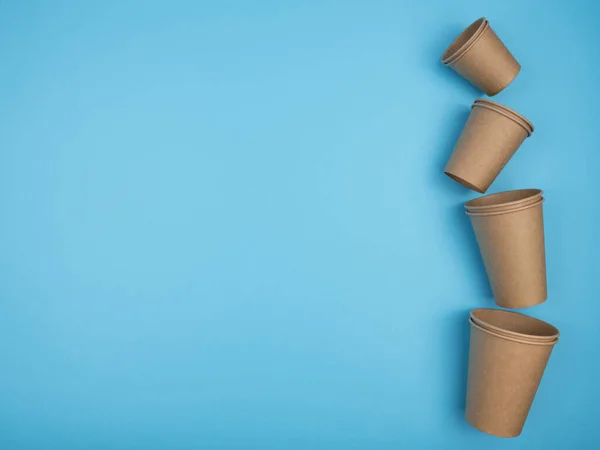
<point>225,224</point>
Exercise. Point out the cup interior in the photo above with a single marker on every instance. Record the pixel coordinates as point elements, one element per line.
<point>464,39</point>
<point>515,324</point>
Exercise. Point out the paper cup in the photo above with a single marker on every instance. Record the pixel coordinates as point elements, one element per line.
<point>512,247</point>
<point>480,56</point>
<point>504,201</point>
<point>515,325</point>
<point>491,136</point>
<point>504,375</point>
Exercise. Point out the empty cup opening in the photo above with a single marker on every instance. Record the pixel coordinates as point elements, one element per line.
<point>462,39</point>
<point>503,198</point>
<point>515,323</point>
<point>464,182</point>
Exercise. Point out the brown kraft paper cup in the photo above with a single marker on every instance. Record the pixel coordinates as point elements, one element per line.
<point>504,375</point>
<point>482,58</point>
<point>504,201</point>
<point>512,324</point>
<point>491,136</point>
<point>512,247</point>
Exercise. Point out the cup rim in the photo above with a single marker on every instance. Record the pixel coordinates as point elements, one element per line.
<point>512,338</point>
<point>505,111</point>
<point>482,204</point>
<point>504,211</point>
<point>538,329</point>
<point>450,56</point>
<point>502,208</point>
<point>511,334</point>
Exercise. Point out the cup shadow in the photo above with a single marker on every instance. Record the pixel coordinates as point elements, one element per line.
<point>458,333</point>
<point>471,256</point>
<point>454,216</point>
<point>456,329</point>
<point>449,133</point>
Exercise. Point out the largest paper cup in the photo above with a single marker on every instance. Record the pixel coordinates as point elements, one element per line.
<point>491,136</point>
<point>504,375</point>
<point>480,56</point>
<point>512,247</point>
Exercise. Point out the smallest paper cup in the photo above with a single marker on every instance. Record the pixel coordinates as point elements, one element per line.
<point>482,58</point>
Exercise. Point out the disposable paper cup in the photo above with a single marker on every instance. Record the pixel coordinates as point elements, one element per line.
<point>504,375</point>
<point>480,56</point>
<point>515,325</point>
<point>512,247</point>
<point>491,136</point>
<point>504,201</point>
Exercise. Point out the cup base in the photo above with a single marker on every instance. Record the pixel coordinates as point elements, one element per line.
<point>497,91</point>
<point>464,182</point>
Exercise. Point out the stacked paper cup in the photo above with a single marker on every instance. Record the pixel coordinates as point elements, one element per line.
<point>482,58</point>
<point>509,228</point>
<point>491,136</point>
<point>507,358</point>
<point>508,351</point>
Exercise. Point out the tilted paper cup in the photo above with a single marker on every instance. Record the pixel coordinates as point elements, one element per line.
<point>504,200</point>
<point>480,56</point>
<point>504,375</point>
<point>512,247</point>
<point>512,324</point>
<point>491,136</point>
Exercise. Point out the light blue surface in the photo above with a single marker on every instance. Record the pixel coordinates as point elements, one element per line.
<point>227,226</point>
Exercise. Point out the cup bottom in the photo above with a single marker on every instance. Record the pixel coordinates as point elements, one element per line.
<point>464,182</point>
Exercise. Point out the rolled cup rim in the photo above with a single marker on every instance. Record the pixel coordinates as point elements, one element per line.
<point>551,333</point>
<point>531,193</point>
<point>507,112</point>
<point>512,338</point>
<point>449,59</point>
<point>504,211</point>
